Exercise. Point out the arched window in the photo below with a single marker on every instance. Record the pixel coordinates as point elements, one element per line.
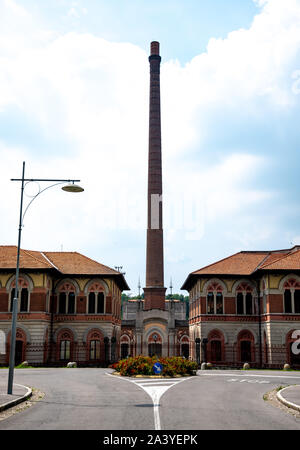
<point>244,299</point>
<point>125,346</point>
<point>246,351</point>
<point>65,341</point>
<point>62,302</point>
<point>92,303</point>
<point>95,345</point>
<point>249,303</point>
<point>96,299</point>
<point>65,350</point>
<point>215,346</point>
<point>124,350</point>
<point>155,345</point>
<point>2,343</point>
<point>246,346</point>
<point>240,303</point>
<point>66,299</point>
<point>210,303</point>
<point>214,299</point>
<point>23,292</point>
<point>219,303</point>
<point>216,351</point>
<point>291,296</point>
<point>95,349</point>
<point>297,301</point>
<point>287,301</point>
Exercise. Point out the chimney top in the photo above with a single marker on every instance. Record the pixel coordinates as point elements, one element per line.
<point>154,48</point>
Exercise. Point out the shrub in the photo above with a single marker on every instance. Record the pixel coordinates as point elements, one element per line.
<point>143,365</point>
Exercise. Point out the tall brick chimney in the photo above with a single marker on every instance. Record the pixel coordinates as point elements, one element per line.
<point>154,290</point>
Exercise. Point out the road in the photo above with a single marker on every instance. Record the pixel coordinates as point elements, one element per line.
<point>93,399</point>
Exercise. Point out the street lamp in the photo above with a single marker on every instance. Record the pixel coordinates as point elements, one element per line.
<point>71,187</point>
<point>197,342</point>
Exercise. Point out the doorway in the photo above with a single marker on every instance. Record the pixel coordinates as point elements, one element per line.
<point>246,351</point>
<point>155,349</point>
<point>216,351</point>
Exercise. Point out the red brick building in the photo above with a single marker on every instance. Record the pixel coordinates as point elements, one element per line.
<point>246,308</point>
<point>69,308</point>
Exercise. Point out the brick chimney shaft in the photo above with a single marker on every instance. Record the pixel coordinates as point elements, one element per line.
<point>154,290</point>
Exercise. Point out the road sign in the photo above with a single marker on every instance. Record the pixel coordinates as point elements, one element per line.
<point>157,368</point>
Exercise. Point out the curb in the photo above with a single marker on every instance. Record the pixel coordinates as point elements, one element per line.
<point>117,374</point>
<point>17,400</point>
<point>286,402</point>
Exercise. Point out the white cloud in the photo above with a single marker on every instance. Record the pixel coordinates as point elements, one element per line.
<point>77,11</point>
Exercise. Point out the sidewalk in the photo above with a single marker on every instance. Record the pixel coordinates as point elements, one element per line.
<point>20,394</point>
<point>290,396</point>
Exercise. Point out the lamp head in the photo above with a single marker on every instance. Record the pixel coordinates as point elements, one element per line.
<point>72,187</point>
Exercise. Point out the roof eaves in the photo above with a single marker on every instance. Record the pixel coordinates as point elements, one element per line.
<point>49,261</point>
<point>27,252</point>
<point>279,259</point>
<point>260,264</point>
<point>213,264</point>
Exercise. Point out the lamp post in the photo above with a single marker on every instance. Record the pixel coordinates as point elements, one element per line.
<point>197,342</point>
<point>71,187</point>
<point>204,344</point>
<point>259,324</point>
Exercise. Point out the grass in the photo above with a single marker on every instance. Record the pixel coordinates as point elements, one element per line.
<point>20,367</point>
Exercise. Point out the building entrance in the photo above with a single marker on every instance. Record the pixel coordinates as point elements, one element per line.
<point>155,349</point>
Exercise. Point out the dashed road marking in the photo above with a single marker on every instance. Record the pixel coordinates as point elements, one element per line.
<point>155,388</point>
<point>248,381</point>
<point>248,375</point>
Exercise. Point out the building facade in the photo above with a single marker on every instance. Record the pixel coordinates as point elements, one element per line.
<point>246,308</point>
<point>69,308</point>
<point>161,332</point>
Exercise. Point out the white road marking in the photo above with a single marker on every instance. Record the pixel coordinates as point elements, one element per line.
<point>155,388</point>
<point>237,375</point>
<point>248,381</point>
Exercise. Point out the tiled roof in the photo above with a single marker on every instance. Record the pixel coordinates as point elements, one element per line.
<point>243,263</point>
<point>246,263</point>
<point>28,259</point>
<point>67,263</point>
<point>74,263</point>
<point>290,261</point>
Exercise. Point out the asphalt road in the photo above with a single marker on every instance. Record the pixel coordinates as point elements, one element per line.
<point>90,399</point>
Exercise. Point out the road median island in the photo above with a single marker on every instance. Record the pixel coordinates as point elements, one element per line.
<point>20,394</point>
<point>290,397</point>
<point>23,402</point>
<point>153,367</point>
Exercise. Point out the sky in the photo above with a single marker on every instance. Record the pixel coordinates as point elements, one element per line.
<point>74,93</point>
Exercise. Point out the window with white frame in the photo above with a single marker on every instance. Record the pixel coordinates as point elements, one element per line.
<point>96,299</point>
<point>66,299</point>
<point>291,297</point>
<point>96,303</point>
<point>23,296</point>
<point>64,351</point>
<point>214,299</point>
<point>244,299</point>
<point>95,349</point>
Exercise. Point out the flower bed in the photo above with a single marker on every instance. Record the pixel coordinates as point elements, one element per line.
<point>143,365</point>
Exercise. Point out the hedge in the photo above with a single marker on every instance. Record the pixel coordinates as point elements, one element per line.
<point>143,365</point>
